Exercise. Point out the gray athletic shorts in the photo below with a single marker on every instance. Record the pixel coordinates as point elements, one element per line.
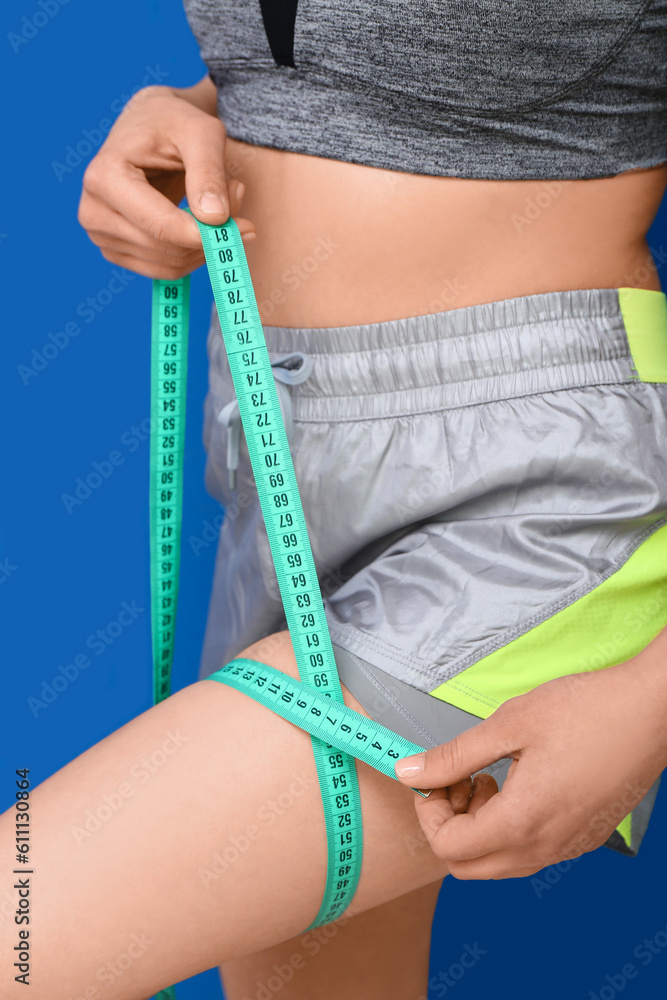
<point>485,491</point>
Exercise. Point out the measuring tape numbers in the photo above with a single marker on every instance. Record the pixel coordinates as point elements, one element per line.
<point>339,727</point>
<point>170,316</point>
<point>315,701</point>
<point>280,502</point>
<point>169,370</point>
<point>281,507</point>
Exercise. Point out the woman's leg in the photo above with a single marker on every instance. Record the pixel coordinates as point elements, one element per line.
<point>380,953</point>
<point>193,835</point>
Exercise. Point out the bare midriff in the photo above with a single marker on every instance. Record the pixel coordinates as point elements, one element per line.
<point>340,244</point>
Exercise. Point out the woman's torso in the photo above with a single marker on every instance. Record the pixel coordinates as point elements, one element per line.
<point>339,243</point>
<point>444,94</point>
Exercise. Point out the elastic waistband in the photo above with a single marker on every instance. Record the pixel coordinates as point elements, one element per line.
<point>512,347</point>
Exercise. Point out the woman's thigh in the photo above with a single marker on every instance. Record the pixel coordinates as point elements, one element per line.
<point>382,952</point>
<point>192,835</point>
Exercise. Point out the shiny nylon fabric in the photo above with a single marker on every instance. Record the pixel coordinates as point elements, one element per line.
<point>463,475</point>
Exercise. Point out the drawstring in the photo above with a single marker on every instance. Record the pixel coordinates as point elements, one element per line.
<point>289,369</point>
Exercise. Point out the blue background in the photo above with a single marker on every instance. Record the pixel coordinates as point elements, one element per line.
<point>73,571</point>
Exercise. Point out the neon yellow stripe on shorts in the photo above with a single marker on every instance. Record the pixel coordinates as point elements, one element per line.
<point>609,625</point>
<point>645,319</point>
<point>628,609</point>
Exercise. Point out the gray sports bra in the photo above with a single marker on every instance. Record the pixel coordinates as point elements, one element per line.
<point>502,89</point>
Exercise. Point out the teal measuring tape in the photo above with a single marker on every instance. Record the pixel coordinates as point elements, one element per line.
<point>315,702</point>
<point>339,727</point>
<point>279,499</point>
<point>169,370</point>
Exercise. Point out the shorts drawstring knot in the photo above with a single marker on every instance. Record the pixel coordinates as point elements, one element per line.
<point>288,369</point>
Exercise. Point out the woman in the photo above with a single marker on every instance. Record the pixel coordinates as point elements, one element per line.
<point>440,215</point>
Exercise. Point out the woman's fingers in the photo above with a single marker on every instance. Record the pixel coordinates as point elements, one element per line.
<point>160,132</point>
<point>149,269</point>
<point>459,795</point>
<point>495,864</point>
<point>106,226</point>
<point>484,786</point>
<point>190,259</point>
<point>160,146</point>
<point>124,188</point>
<point>571,782</point>
<point>473,749</point>
<point>164,267</point>
<point>486,826</point>
<point>122,242</point>
<point>203,153</point>
<point>128,240</point>
<point>500,864</point>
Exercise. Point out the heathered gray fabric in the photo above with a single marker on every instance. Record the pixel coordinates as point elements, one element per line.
<point>504,89</point>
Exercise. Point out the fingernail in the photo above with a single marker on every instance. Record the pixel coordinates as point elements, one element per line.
<point>410,765</point>
<point>248,236</point>
<point>210,202</point>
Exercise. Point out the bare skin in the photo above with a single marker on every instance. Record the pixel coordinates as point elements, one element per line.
<point>383,952</point>
<point>406,244</point>
<point>220,852</point>
<point>217,851</point>
<point>401,245</point>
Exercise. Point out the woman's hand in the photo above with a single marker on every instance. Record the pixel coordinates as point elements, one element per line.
<point>165,144</point>
<point>586,748</point>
